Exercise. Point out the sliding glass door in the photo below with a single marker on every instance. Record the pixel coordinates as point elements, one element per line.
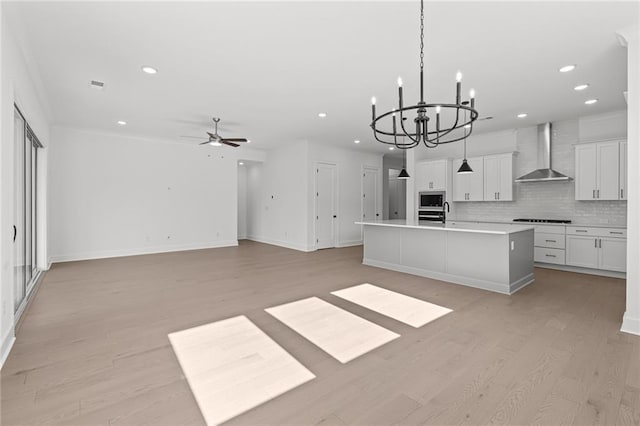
<point>25,210</point>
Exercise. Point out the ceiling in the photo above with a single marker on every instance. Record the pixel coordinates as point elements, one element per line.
<point>268,68</point>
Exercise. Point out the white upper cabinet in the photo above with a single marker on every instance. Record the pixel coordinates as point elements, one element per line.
<point>586,179</point>
<point>431,175</point>
<point>498,177</point>
<point>469,186</point>
<point>623,170</point>
<point>598,171</point>
<point>608,171</point>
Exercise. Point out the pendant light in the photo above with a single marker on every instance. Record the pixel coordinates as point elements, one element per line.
<point>436,123</point>
<point>465,168</point>
<point>403,173</point>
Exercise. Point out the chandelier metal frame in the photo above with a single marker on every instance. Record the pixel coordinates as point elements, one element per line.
<point>431,138</point>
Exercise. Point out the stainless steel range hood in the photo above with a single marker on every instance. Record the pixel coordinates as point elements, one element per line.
<point>544,173</point>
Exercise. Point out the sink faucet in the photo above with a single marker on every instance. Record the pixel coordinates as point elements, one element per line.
<point>445,205</point>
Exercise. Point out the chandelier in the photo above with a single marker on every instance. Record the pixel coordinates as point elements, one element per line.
<point>449,117</point>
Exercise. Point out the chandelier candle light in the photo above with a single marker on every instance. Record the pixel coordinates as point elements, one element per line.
<point>450,124</point>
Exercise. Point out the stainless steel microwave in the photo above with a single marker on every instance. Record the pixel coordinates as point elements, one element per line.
<point>431,200</point>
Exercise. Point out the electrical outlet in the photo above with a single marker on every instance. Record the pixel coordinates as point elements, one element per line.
<point>513,245</point>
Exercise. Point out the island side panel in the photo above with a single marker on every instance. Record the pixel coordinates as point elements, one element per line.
<point>382,244</point>
<point>521,260</point>
<point>482,259</point>
<point>424,249</point>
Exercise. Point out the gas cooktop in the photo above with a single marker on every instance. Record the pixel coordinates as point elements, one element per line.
<point>543,220</point>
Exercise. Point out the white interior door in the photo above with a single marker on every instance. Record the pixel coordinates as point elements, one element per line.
<point>370,194</point>
<point>326,211</point>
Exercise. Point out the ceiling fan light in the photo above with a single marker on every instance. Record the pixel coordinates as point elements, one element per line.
<point>215,143</point>
<point>403,174</point>
<point>465,168</point>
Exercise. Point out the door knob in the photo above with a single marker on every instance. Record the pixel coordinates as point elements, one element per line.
<point>334,216</point>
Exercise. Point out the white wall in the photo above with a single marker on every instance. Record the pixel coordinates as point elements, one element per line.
<point>630,37</point>
<point>18,85</point>
<point>242,201</point>
<point>113,195</point>
<point>277,197</point>
<point>280,194</point>
<point>349,163</point>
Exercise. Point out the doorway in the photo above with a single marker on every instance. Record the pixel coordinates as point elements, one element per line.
<point>25,237</point>
<point>326,205</point>
<point>397,196</point>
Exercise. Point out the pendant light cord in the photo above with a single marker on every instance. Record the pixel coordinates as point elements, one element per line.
<point>421,35</point>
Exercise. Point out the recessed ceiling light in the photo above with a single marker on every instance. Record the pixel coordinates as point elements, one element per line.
<point>567,68</point>
<point>149,70</point>
<point>241,163</point>
<point>122,122</point>
<point>522,115</point>
<point>591,101</point>
<point>581,87</point>
<point>356,141</point>
<point>322,114</point>
<point>391,148</point>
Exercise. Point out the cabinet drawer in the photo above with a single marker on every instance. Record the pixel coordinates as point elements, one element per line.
<point>619,233</point>
<point>550,229</point>
<point>596,231</point>
<point>543,239</point>
<point>548,255</point>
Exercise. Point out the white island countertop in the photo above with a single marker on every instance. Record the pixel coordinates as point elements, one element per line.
<point>481,228</point>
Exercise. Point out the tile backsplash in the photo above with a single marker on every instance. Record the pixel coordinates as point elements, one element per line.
<point>548,200</point>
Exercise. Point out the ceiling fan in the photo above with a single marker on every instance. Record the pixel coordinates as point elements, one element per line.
<point>216,140</point>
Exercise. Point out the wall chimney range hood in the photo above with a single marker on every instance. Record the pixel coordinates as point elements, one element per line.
<point>544,173</point>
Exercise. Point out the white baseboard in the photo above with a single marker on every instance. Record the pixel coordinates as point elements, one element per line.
<point>630,325</point>
<point>140,251</point>
<point>590,271</point>
<point>281,243</point>
<point>503,288</point>
<point>7,344</point>
<point>350,243</point>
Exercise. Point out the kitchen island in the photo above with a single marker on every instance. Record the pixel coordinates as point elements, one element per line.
<point>495,257</point>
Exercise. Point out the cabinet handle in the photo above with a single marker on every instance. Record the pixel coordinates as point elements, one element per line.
<point>598,193</point>
<point>550,255</point>
<point>615,232</point>
<point>581,230</point>
<point>621,193</point>
<point>498,195</point>
<point>595,243</point>
<point>550,241</point>
<point>594,194</point>
<point>600,243</point>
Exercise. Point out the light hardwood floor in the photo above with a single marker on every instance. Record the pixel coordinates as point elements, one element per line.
<point>93,347</point>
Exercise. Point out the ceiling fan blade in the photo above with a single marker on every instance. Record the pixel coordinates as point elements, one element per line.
<point>224,141</point>
<point>204,143</point>
<point>211,135</point>
<point>235,139</point>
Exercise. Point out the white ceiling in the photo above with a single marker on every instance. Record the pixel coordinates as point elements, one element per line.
<point>268,68</point>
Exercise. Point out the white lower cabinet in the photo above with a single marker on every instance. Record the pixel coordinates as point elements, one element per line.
<point>597,252</point>
<point>549,242</point>
<point>613,254</point>
<point>582,251</point>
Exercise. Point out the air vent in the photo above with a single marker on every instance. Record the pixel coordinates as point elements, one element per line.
<point>99,85</point>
